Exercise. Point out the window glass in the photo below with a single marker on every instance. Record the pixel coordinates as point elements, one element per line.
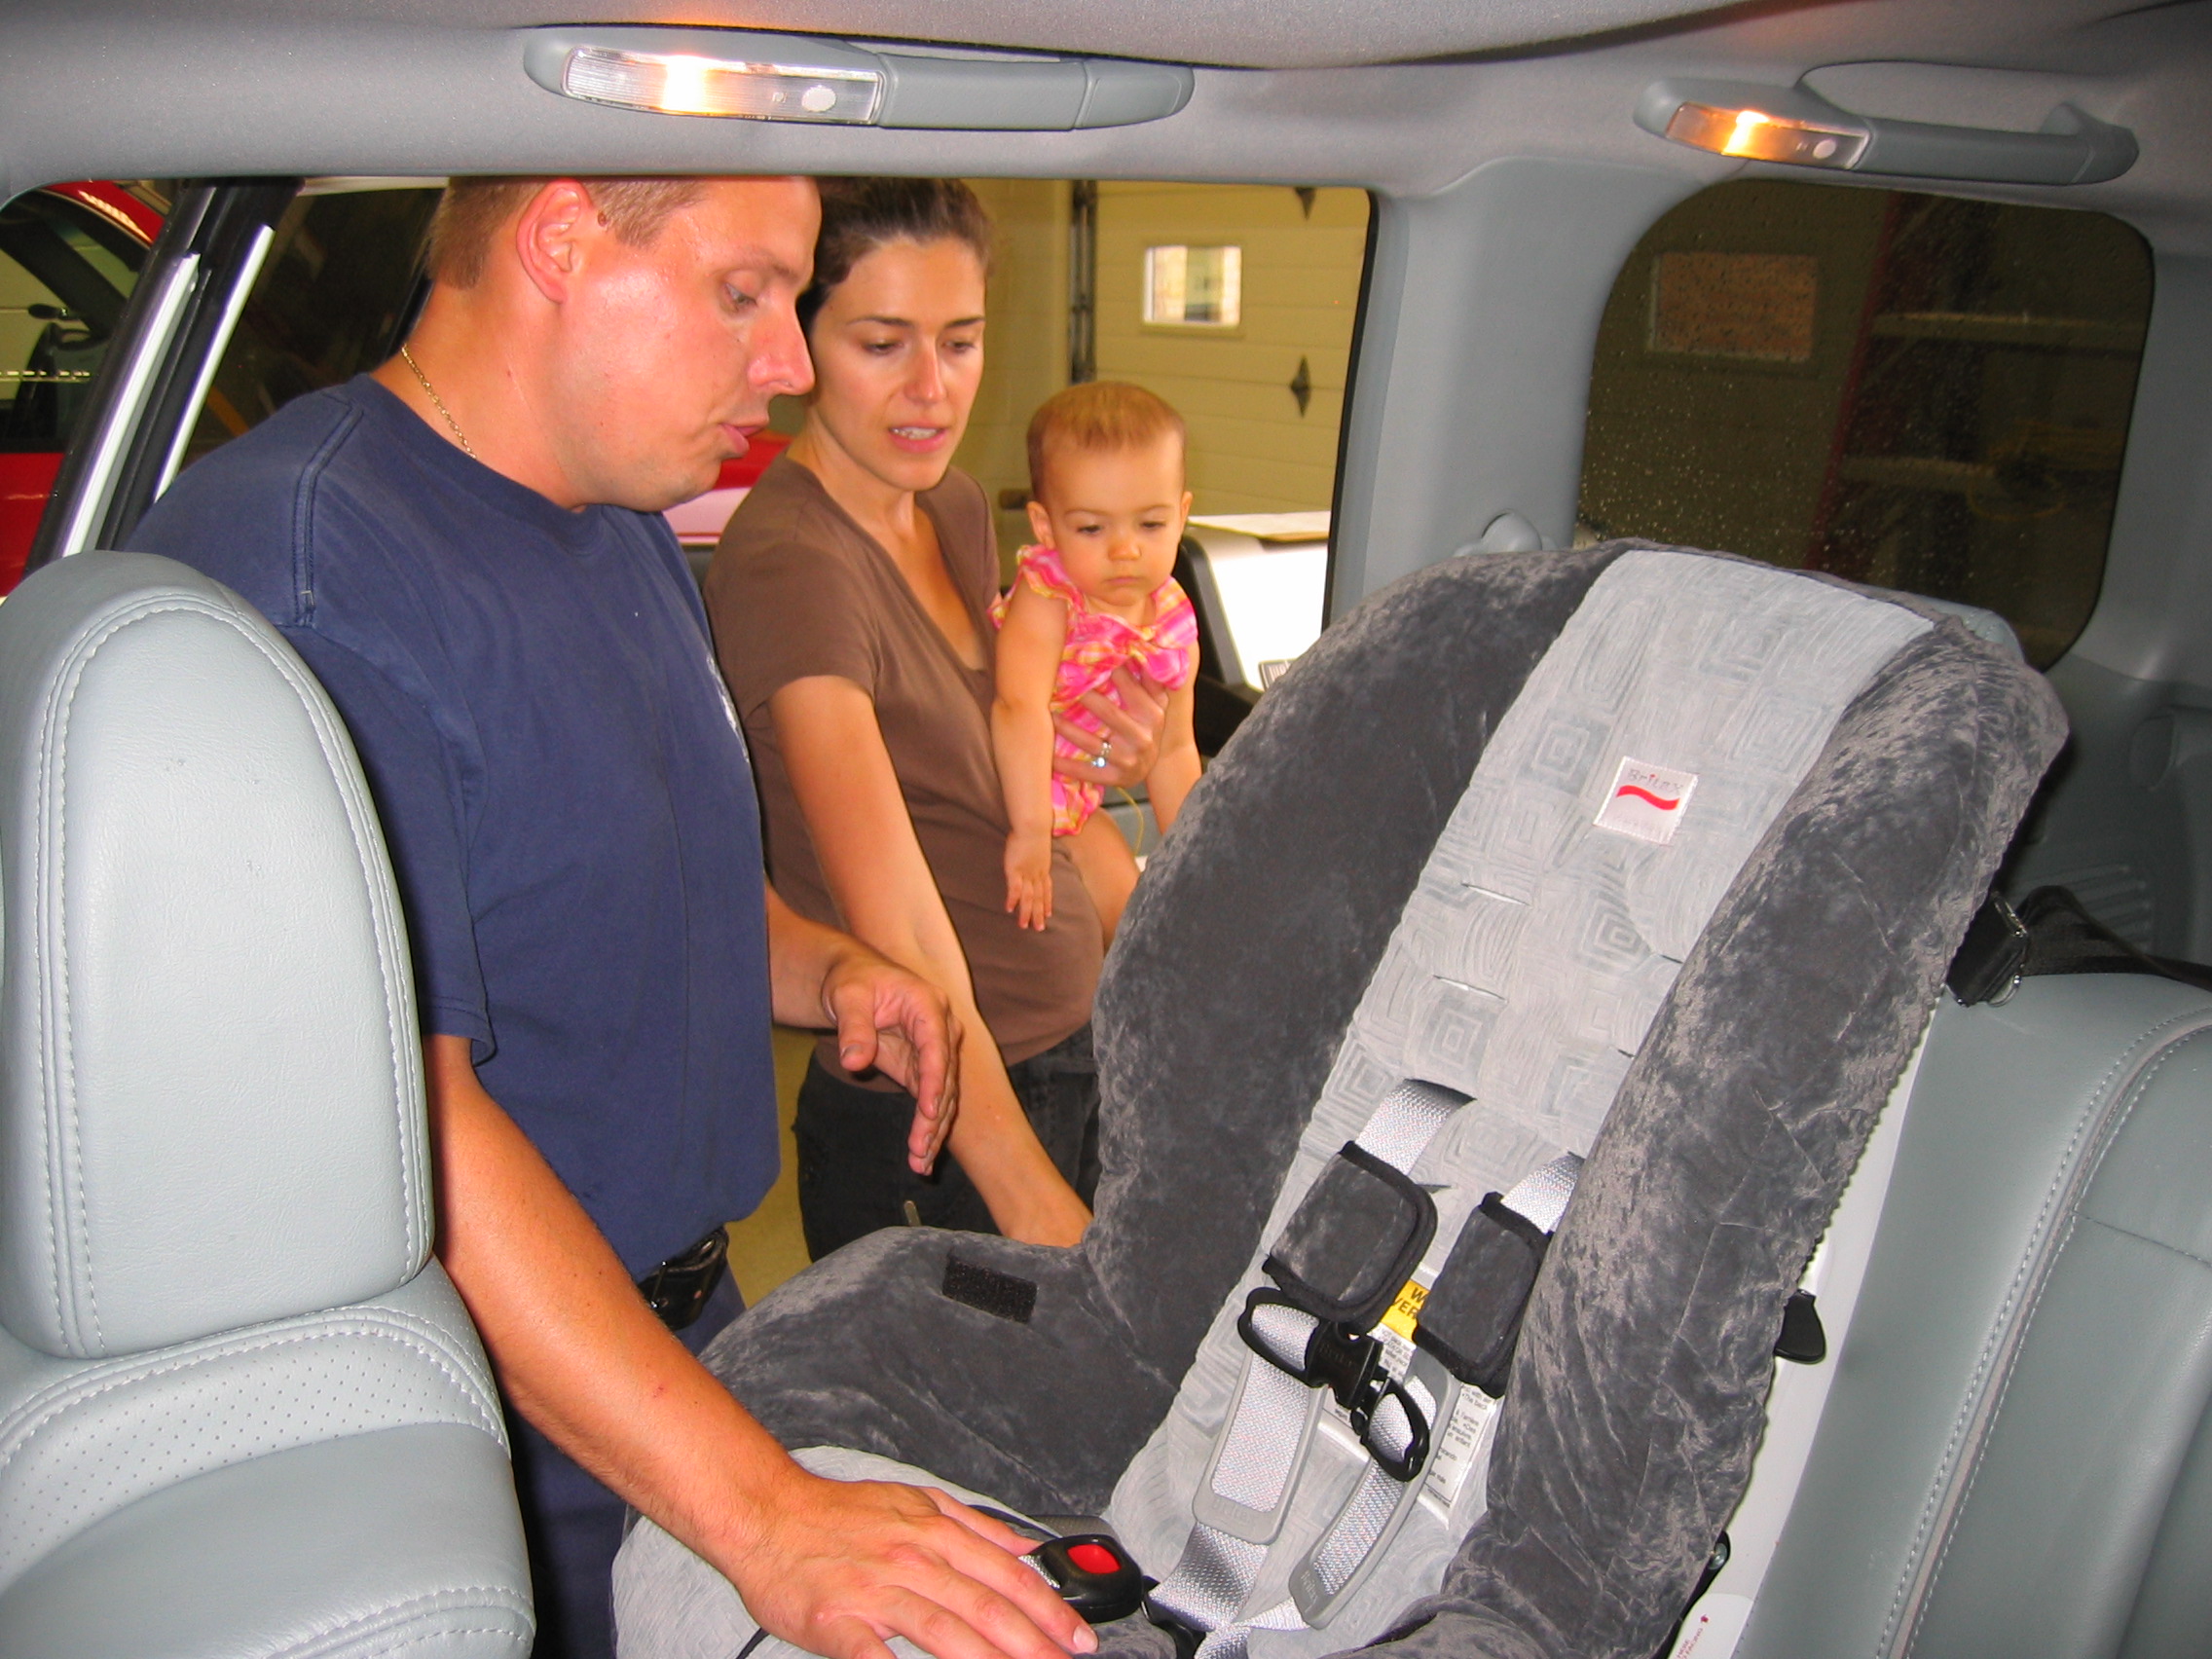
<point>67,271</point>
<point>1906,389</point>
<point>69,258</point>
<point>341,282</point>
<point>1257,367</point>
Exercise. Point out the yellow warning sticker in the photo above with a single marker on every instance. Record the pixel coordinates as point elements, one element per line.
<point>1405,1312</point>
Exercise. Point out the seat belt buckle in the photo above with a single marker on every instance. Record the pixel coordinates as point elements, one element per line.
<point>1093,1575</point>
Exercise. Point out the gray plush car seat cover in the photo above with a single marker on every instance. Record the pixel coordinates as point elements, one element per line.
<point>1617,1462</point>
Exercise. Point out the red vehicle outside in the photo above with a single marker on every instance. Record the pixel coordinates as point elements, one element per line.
<point>69,256</point>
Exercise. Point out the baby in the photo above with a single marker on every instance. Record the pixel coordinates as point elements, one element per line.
<point>1093,595</point>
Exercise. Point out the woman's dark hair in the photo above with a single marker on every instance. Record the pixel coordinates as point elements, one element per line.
<point>859,215</point>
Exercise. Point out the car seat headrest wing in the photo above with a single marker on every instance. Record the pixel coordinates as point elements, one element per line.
<point>210,1090</point>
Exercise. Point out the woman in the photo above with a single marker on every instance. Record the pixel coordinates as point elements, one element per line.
<point>849,599</point>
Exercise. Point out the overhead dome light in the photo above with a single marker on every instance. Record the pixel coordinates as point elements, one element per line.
<point>762,77</point>
<point>1758,136</point>
<point>684,83</point>
<point>1798,128</point>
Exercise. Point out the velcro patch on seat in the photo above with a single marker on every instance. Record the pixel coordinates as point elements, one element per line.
<point>1354,1241</point>
<point>1004,1295</point>
<point>1471,1319</point>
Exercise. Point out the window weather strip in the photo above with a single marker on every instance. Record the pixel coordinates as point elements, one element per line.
<point>189,417</point>
<point>147,354</point>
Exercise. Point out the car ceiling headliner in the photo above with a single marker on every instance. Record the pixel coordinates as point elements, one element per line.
<point>106,89</point>
<point>1267,34</point>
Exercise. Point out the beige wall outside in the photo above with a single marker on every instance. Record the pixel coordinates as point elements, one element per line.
<point>1251,450</point>
<point>1026,343</point>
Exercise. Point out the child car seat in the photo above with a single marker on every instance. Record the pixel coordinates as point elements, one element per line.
<point>1525,980</point>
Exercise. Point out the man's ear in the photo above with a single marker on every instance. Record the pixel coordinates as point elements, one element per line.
<point>551,235</point>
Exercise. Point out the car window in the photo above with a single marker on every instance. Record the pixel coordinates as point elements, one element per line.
<point>1907,389</point>
<point>1236,304</point>
<point>69,258</point>
<point>338,288</point>
<point>67,271</point>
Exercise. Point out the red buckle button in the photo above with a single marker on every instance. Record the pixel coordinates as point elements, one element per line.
<point>1095,1558</point>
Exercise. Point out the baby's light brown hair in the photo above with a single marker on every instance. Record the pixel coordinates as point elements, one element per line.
<point>1098,416</point>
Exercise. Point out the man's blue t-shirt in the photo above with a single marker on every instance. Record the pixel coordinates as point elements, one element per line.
<point>561,782</point>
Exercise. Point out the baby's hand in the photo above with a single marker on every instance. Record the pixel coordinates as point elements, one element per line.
<point>1029,878</point>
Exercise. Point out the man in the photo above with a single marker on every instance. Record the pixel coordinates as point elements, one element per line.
<point>463,546</point>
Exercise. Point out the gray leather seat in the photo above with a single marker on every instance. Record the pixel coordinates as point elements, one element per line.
<point>2015,1456</point>
<point>241,1409</point>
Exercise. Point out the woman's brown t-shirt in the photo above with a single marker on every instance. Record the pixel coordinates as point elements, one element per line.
<point>797,589</point>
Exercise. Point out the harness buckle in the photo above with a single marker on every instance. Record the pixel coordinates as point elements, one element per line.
<point>1349,1364</point>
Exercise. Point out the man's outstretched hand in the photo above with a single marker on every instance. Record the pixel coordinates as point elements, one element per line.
<point>839,1568</point>
<point>885,1017</point>
<point>902,1025</point>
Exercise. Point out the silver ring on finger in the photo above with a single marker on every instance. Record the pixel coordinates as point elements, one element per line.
<point>1098,761</point>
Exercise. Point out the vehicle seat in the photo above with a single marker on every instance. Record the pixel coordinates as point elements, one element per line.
<point>2015,1455</point>
<point>241,1409</point>
<point>1409,877</point>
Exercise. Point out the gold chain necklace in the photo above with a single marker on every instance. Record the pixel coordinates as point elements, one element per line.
<point>431,393</point>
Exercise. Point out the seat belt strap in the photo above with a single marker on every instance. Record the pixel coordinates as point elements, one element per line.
<point>1244,1493</point>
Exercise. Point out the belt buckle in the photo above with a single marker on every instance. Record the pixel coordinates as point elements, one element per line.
<point>679,1289</point>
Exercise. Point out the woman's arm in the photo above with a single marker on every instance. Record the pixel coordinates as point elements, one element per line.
<point>1030,642</point>
<point>1177,767</point>
<point>847,791</point>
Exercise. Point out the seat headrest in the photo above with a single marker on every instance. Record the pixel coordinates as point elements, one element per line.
<point>211,1081</point>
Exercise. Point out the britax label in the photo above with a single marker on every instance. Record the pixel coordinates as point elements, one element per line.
<point>1647,802</point>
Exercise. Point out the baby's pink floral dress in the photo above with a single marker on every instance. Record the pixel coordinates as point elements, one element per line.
<point>1098,644</point>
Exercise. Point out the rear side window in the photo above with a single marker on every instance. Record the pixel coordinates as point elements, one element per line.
<point>335,295</point>
<point>1906,389</point>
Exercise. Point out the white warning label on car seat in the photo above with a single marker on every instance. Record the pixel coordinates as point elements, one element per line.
<point>1647,802</point>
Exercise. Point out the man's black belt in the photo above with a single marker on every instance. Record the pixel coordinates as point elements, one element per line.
<point>681,1287</point>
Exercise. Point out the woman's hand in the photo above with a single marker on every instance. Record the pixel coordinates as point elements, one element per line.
<point>1029,877</point>
<point>1131,743</point>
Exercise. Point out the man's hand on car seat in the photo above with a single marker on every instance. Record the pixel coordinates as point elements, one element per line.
<point>834,1566</point>
<point>840,1567</point>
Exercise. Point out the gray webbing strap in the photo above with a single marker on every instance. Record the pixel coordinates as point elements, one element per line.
<point>1542,1195</point>
<point>1379,1505</point>
<point>1245,1491</point>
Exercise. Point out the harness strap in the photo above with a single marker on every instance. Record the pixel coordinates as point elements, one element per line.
<point>1384,1497</point>
<point>1244,1493</point>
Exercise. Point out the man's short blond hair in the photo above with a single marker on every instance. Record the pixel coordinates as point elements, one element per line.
<point>473,209</point>
<point>1098,418</point>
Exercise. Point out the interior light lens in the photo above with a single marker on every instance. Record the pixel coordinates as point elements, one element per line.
<point>1759,136</point>
<point>677,83</point>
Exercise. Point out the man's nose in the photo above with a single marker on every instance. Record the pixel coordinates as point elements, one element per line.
<point>781,364</point>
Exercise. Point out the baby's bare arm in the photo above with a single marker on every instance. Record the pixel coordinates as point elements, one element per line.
<point>1177,767</point>
<point>1029,646</point>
